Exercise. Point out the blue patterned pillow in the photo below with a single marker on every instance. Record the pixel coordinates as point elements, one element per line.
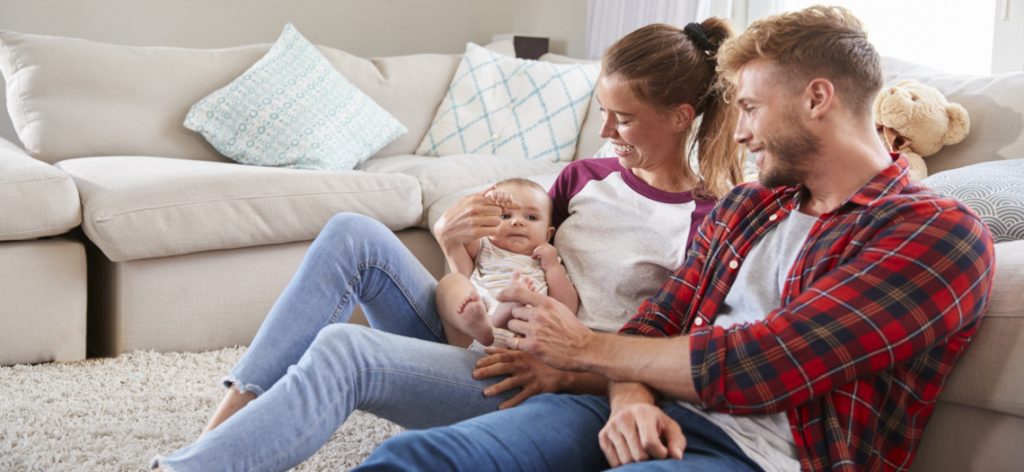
<point>994,190</point>
<point>501,105</point>
<point>293,109</point>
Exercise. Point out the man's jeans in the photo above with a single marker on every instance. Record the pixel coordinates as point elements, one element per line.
<point>557,432</point>
<point>310,370</point>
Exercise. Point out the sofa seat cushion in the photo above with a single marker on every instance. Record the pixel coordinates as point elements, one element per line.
<point>37,199</point>
<point>147,207</point>
<point>990,375</point>
<point>440,177</point>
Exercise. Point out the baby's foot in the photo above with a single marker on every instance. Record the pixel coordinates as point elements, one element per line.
<point>503,312</point>
<point>474,319</point>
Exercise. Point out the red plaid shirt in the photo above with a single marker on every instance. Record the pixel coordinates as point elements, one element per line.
<point>882,299</point>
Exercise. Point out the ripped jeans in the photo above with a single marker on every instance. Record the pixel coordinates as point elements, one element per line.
<point>310,370</point>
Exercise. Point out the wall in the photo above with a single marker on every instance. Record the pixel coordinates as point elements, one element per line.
<point>1008,37</point>
<point>563,21</point>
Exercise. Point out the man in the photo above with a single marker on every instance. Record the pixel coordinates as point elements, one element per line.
<point>812,324</point>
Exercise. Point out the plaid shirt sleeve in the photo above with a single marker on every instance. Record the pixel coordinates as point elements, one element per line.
<point>915,276</point>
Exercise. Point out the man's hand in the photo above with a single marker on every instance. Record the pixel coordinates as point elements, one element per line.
<point>550,331</point>
<point>522,370</point>
<point>637,429</point>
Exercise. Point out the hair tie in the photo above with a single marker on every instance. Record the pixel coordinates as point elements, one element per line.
<point>696,34</point>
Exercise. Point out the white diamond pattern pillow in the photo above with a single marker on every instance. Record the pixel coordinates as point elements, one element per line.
<point>293,109</point>
<point>511,107</point>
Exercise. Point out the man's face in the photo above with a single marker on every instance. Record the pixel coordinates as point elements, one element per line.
<point>771,126</point>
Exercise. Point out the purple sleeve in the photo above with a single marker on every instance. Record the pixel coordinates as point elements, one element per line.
<point>572,179</point>
<point>703,207</point>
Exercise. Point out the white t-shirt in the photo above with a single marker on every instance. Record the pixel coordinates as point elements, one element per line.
<point>766,439</point>
<point>619,238</point>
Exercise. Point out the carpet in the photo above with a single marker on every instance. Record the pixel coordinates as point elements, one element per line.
<point>115,414</point>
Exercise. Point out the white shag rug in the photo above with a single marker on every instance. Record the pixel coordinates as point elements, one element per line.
<point>115,414</point>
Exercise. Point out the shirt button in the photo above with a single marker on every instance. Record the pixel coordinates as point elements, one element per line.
<point>699,321</point>
<point>733,264</point>
<point>773,217</point>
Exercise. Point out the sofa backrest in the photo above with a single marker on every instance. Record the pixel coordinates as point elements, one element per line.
<point>995,104</point>
<point>70,97</point>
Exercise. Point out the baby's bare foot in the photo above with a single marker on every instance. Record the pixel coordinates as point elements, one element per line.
<point>474,319</point>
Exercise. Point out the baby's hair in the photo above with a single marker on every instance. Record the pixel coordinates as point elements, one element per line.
<point>522,182</point>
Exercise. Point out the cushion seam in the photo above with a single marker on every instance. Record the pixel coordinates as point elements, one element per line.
<point>264,197</point>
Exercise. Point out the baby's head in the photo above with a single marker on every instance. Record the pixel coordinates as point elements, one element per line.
<point>524,228</point>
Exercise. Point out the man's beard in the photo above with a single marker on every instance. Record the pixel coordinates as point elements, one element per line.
<point>791,149</point>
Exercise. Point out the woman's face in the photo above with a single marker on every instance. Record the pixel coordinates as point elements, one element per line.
<point>645,137</point>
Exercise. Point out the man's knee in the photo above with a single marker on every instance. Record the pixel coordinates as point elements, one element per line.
<point>412,450</point>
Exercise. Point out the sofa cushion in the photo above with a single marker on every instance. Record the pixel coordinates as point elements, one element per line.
<point>73,98</point>
<point>990,374</point>
<point>443,176</point>
<point>511,107</point>
<point>994,190</point>
<point>993,103</point>
<point>37,199</point>
<point>145,207</point>
<point>293,109</point>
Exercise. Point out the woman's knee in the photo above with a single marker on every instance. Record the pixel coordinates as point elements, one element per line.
<point>353,226</point>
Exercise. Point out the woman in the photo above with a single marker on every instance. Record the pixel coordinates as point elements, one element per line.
<point>309,370</point>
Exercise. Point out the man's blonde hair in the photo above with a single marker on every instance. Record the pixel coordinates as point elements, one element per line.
<point>820,41</point>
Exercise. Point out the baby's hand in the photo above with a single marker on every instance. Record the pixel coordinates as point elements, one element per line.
<point>547,255</point>
<point>502,198</point>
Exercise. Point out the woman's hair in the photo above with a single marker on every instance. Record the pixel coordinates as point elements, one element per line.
<point>666,67</point>
<point>819,41</point>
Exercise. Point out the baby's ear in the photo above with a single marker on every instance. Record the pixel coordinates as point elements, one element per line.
<point>551,232</point>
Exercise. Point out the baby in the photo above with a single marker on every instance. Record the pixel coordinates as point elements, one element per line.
<point>466,297</point>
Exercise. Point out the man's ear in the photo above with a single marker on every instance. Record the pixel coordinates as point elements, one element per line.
<point>818,97</point>
<point>682,117</point>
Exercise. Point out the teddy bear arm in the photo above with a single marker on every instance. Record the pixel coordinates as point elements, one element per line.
<point>959,124</point>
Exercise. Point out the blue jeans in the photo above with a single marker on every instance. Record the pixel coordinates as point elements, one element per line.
<point>310,370</point>
<point>549,432</point>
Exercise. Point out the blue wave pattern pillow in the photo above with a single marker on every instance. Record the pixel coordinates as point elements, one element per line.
<point>293,109</point>
<point>994,190</point>
<point>506,106</point>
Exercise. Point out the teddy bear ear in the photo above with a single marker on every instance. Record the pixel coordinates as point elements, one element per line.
<point>959,124</point>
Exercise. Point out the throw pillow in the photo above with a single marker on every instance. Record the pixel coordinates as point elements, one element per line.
<point>994,190</point>
<point>514,107</point>
<point>293,109</point>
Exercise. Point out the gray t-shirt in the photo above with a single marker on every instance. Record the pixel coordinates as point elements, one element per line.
<point>766,439</point>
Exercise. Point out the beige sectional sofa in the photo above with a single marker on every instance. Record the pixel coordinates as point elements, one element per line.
<point>187,250</point>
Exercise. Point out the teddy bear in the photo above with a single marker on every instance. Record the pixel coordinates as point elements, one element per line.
<point>917,120</point>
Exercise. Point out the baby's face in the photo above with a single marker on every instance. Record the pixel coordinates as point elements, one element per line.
<point>523,229</point>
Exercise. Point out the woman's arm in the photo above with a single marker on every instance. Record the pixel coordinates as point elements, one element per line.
<point>459,229</point>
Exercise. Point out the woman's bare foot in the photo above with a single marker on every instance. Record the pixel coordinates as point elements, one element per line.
<point>473,313</point>
<point>232,402</point>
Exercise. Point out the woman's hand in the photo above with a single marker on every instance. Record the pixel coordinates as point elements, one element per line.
<point>522,370</point>
<point>471,218</point>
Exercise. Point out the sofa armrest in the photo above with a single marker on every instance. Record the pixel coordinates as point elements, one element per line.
<point>36,198</point>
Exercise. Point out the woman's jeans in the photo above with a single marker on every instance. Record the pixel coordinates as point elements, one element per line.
<point>310,370</point>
